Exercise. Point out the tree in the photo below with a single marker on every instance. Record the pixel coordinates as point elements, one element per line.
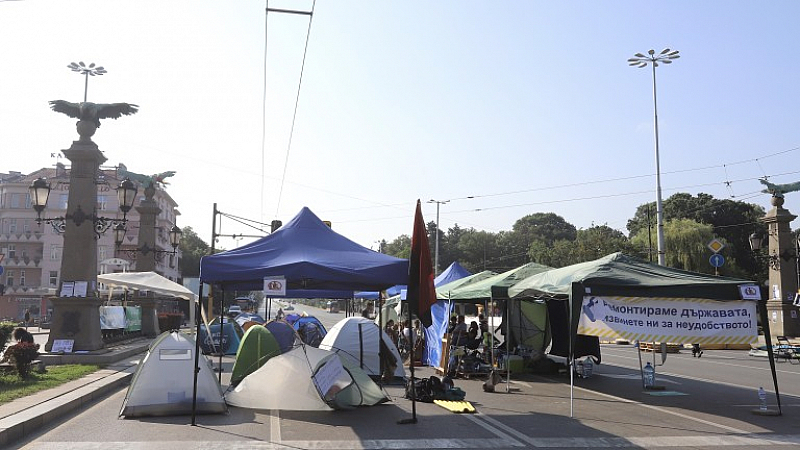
<point>399,247</point>
<point>478,250</point>
<point>732,221</point>
<point>588,245</point>
<point>192,249</point>
<point>685,244</point>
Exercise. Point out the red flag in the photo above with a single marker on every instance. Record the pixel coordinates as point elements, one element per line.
<point>421,292</point>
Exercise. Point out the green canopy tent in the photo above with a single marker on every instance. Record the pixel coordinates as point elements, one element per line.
<point>575,289</point>
<point>494,288</point>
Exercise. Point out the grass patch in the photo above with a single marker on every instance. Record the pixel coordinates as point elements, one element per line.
<point>13,387</point>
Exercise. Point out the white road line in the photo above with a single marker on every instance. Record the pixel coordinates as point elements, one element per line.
<point>783,394</point>
<point>665,411</point>
<point>642,442</point>
<point>275,426</point>
<point>495,431</point>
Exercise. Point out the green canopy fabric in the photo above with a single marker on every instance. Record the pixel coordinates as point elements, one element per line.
<point>443,291</point>
<point>495,286</point>
<point>257,347</point>
<point>622,275</point>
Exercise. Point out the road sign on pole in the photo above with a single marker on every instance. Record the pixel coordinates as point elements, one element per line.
<point>716,245</point>
<point>716,260</point>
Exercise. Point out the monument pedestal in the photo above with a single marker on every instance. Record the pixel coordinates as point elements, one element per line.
<point>784,318</point>
<point>149,316</point>
<point>78,319</point>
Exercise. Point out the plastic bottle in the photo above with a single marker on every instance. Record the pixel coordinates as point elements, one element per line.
<point>762,398</point>
<point>649,375</point>
<point>588,367</point>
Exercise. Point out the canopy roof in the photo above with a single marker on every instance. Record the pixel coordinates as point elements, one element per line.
<point>496,285</point>
<point>453,272</point>
<point>145,281</point>
<point>310,255</point>
<point>443,292</point>
<point>623,275</point>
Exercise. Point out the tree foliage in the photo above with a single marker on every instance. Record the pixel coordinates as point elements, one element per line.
<point>192,249</point>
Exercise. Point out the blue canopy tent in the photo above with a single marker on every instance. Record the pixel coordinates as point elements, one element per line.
<point>309,255</point>
<point>454,271</point>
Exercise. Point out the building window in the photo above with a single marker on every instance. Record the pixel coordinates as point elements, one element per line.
<point>16,200</point>
<point>55,252</point>
<point>22,278</point>
<point>26,226</point>
<point>101,202</point>
<point>12,250</point>
<point>63,199</point>
<point>10,278</point>
<point>28,203</point>
<point>53,278</point>
<point>12,225</point>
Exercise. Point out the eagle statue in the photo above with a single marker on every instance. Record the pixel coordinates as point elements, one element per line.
<point>93,112</point>
<point>777,190</point>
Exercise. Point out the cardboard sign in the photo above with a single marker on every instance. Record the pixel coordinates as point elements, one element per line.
<point>62,346</point>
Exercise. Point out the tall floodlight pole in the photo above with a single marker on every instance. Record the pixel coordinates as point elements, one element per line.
<point>436,252</point>
<point>639,60</point>
<point>91,69</point>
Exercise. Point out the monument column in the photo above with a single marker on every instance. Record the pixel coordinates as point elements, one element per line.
<point>77,316</point>
<point>783,316</point>
<point>146,257</point>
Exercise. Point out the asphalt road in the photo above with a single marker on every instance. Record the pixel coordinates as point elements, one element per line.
<point>707,403</point>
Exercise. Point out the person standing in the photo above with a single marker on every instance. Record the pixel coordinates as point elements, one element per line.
<point>27,318</point>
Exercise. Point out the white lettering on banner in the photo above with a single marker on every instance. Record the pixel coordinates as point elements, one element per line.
<point>675,320</point>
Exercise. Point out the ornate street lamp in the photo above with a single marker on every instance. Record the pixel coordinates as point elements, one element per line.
<point>40,191</point>
<point>639,60</point>
<point>175,235</point>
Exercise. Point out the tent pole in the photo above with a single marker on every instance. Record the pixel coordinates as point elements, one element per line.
<point>221,331</point>
<point>196,353</point>
<point>508,349</point>
<point>762,306</point>
<point>411,362</point>
<point>576,294</point>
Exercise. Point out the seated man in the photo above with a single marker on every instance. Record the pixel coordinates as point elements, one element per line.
<point>459,334</point>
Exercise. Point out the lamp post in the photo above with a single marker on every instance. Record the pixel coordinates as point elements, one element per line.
<point>175,235</point>
<point>639,60</point>
<point>86,71</point>
<point>436,252</point>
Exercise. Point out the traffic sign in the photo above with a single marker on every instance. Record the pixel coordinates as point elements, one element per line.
<point>716,245</point>
<point>716,260</point>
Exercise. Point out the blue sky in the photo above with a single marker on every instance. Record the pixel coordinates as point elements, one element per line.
<point>524,106</point>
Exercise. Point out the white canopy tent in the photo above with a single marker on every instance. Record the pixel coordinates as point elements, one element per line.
<point>149,281</point>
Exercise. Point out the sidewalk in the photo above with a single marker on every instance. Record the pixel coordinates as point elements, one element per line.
<point>24,416</point>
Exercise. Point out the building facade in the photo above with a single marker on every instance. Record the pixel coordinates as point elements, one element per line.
<point>32,252</point>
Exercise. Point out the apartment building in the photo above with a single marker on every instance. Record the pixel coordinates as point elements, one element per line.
<point>32,252</point>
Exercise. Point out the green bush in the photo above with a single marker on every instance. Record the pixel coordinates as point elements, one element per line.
<point>6,330</point>
<point>21,355</point>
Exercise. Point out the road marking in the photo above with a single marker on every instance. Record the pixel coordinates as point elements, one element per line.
<point>275,426</point>
<point>690,377</point>
<point>665,411</point>
<point>514,443</point>
<point>645,442</point>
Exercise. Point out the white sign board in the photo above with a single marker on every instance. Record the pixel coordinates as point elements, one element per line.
<point>62,345</point>
<point>674,320</point>
<point>331,378</point>
<point>274,286</point>
<point>67,289</point>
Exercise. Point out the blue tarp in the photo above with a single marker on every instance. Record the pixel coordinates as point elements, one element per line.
<point>310,255</point>
<point>454,272</point>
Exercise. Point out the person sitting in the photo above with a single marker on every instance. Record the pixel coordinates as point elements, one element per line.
<point>473,340</point>
<point>459,334</point>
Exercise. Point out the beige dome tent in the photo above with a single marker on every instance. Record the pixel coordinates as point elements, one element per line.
<point>158,390</point>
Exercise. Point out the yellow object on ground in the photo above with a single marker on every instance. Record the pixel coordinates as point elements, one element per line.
<point>456,407</point>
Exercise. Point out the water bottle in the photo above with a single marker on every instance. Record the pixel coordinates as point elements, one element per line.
<point>649,374</point>
<point>762,398</point>
<point>588,367</point>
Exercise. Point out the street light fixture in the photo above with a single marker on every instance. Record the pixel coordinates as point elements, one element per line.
<point>639,60</point>
<point>86,71</point>
<point>774,259</point>
<point>40,191</point>
<point>436,252</point>
<point>175,235</point>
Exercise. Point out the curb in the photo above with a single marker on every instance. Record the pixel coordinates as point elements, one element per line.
<point>18,426</point>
